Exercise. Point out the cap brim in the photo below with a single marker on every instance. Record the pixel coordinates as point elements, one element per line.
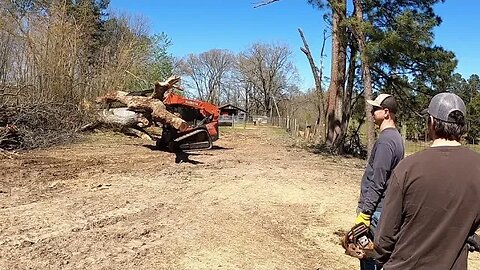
<point>424,113</point>
<point>373,103</point>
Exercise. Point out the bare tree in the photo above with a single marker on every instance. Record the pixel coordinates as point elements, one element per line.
<point>269,69</point>
<point>207,73</point>
<point>59,55</point>
<point>319,96</point>
<point>264,3</point>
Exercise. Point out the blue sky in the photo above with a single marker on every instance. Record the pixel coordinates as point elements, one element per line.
<point>196,26</point>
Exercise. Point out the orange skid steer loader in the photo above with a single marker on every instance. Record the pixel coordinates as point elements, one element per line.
<point>201,116</point>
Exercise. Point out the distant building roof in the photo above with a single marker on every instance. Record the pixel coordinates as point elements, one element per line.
<point>230,106</point>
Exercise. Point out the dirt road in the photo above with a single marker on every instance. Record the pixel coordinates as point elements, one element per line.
<point>255,202</point>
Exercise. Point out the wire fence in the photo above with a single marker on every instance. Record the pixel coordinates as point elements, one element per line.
<point>313,134</point>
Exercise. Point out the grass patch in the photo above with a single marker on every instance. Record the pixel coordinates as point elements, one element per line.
<point>474,147</point>
<point>230,129</point>
<point>413,147</point>
<point>279,131</point>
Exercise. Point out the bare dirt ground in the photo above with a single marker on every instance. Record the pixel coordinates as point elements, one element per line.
<point>255,202</point>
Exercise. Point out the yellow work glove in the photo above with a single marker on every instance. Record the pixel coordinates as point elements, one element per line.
<point>363,218</point>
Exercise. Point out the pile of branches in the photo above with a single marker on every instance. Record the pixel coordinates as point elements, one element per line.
<point>28,126</point>
<point>349,145</point>
<point>32,126</point>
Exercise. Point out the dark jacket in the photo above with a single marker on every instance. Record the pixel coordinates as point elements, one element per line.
<point>387,152</point>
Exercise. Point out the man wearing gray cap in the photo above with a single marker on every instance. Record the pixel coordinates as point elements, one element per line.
<point>432,204</point>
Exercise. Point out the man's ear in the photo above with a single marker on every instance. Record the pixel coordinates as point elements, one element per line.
<point>430,129</point>
<point>387,114</point>
<point>430,122</point>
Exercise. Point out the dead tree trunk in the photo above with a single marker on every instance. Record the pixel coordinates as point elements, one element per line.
<point>366,76</point>
<point>125,120</point>
<point>338,67</point>
<point>162,87</point>
<point>317,76</point>
<point>347,98</point>
<point>152,104</point>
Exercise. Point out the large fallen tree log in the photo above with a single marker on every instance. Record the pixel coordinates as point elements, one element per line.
<point>155,107</point>
<point>122,117</point>
<point>142,106</point>
<point>127,121</point>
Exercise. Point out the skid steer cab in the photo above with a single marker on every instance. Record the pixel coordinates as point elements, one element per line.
<point>201,116</point>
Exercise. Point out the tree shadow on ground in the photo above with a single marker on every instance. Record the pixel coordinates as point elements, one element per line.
<point>346,151</point>
<point>180,156</point>
<point>184,156</point>
<point>216,147</point>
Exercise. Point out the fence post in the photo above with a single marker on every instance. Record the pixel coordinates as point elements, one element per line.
<point>307,133</point>
<point>295,127</point>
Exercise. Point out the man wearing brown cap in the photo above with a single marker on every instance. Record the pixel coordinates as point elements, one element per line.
<point>386,153</point>
<point>432,204</point>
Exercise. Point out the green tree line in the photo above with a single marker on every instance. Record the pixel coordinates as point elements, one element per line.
<point>68,51</point>
<point>57,56</point>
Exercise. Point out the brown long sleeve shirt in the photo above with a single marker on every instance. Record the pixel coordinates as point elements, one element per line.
<point>431,206</point>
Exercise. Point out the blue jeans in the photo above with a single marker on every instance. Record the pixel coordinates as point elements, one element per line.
<point>371,264</point>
